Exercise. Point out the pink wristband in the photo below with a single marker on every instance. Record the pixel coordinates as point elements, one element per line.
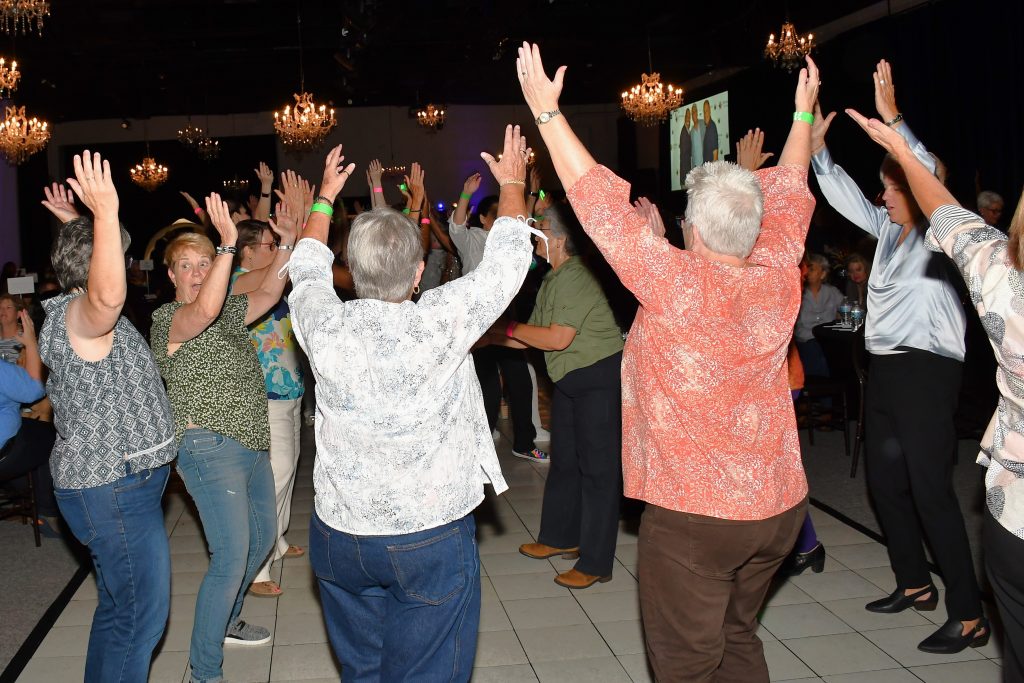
<point>198,211</point>
<point>424,221</point>
<point>510,330</point>
<point>378,189</point>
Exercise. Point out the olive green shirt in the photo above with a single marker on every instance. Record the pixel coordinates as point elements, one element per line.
<point>214,381</point>
<point>571,296</point>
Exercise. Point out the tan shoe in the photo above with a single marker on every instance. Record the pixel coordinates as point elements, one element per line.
<point>294,551</point>
<point>539,551</point>
<point>576,579</point>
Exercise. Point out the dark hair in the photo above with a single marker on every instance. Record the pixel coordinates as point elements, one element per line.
<point>249,232</point>
<point>892,170</point>
<point>484,208</point>
<point>72,252</point>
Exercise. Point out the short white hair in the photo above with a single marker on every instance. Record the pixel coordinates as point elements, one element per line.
<point>384,252</point>
<point>987,199</point>
<point>725,204</point>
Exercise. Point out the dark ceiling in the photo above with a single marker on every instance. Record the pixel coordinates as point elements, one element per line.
<point>140,58</point>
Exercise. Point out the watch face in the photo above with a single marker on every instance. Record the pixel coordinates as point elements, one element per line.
<point>545,117</point>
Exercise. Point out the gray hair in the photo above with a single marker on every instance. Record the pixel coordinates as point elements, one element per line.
<point>819,260</point>
<point>562,223</point>
<point>988,198</point>
<point>725,203</point>
<point>72,252</point>
<point>384,251</point>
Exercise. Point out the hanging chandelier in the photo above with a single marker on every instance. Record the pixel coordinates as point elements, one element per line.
<point>431,117</point>
<point>208,148</point>
<point>20,136</point>
<point>9,77</point>
<point>23,15</point>
<point>236,184</point>
<point>649,102</point>
<point>790,50</point>
<point>393,171</point>
<point>304,127</point>
<point>148,174</point>
<point>190,136</point>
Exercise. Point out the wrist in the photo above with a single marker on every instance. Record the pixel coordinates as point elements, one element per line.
<point>511,329</point>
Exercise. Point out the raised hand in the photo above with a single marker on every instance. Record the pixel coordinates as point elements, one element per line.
<point>265,175</point>
<point>649,212</point>
<point>60,202</point>
<point>511,169</point>
<point>472,184</point>
<point>26,333</point>
<point>415,182</point>
<point>286,225</point>
<point>819,128</point>
<point>885,92</point>
<point>220,216</point>
<point>889,139</point>
<point>336,174</point>
<point>374,173</point>
<point>533,179</point>
<point>807,85</point>
<point>94,184</point>
<point>541,93</point>
<point>748,150</point>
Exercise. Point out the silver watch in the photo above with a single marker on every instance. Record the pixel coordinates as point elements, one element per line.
<point>546,116</point>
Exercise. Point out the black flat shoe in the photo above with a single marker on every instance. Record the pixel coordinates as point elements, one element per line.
<point>948,640</point>
<point>813,558</point>
<point>898,601</point>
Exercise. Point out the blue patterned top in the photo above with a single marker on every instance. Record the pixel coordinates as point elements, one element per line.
<point>277,349</point>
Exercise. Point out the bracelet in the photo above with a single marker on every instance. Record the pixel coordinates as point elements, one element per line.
<point>378,189</point>
<point>535,194</point>
<point>896,119</point>
<point>512,181</point>
<point>325,209</point>
<point>324,200</point>
<point>805,116</point>
<point>510,330</point>
<point>264,194</point>
<point>465,195</point>
<point>230,249</point>
<point>198,211</point>
<point>413,210</point>
<point>286,247</point>
<point>424,221</point>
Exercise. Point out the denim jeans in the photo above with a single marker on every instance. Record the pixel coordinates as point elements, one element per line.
<point>233,488</point>
<point>122,523</point>
<point>400,608</point>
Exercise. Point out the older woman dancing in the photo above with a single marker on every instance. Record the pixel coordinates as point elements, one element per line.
<point>403,446</point>
<point>115,434</point>
<point>709,432</point>
<point>216,388</point>
<point>915,335</point>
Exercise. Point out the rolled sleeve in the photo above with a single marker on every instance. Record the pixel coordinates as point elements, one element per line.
<point>310,269</point>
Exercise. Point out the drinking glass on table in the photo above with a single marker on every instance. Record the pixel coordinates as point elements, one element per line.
<point>857,316</point>
<point>844,312</point>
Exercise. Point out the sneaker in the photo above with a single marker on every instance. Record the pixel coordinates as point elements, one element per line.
<point>242,633</point>
<point>535,454</point>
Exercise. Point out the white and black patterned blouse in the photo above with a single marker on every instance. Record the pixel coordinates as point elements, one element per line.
<point>106,412</point>
<point>402,440</point>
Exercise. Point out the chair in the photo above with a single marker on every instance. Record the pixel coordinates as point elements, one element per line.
<point>815,389</point>
<point>14,464</point>
<point>860,367</point>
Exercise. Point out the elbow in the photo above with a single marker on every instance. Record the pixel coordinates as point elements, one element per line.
<point>107,301</point>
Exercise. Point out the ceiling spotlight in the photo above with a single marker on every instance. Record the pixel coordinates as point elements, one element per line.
<point>125,124</point>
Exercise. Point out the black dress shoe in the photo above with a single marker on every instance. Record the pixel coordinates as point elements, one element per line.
<point>813,558</point>
<point>899,601</point>
<point>949,639</point>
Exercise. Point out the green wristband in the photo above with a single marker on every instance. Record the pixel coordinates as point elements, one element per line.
<point>406,211</point>
<point>465,196</point>
<point>320,207</point>
<point>804,116</point>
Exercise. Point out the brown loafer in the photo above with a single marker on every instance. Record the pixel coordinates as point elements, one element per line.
<point>577,580</point>
<point>539,551</point>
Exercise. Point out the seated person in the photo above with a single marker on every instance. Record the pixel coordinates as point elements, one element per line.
<point>818,305</point>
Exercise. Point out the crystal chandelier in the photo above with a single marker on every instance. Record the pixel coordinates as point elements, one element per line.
<point>431,117</point>
<point>9,77</point>
<point>190,136</point>
<point>650,102</point>
<point>149,175</point>
<point>208,148</point>
<point>23,15</point>
<point>20,136</point>
<point>791,49</point>
<point>236,184</point>
<point>304,127</point>
<point>393,171</point>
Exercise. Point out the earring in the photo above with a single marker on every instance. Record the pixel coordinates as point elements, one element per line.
<point>416,289</point>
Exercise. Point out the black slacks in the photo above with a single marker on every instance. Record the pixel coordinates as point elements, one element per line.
<point>584,485</point>
<point>909,449</point>
<point>511,363</point>
<point>1004,557</point>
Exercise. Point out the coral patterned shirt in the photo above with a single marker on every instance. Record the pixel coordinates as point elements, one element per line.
<point>707,418</point>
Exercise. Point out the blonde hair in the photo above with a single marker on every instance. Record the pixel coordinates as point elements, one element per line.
<point>1015,249</point>
<point>187,240</point>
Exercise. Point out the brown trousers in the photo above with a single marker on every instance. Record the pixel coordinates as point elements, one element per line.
<point>702,582</point>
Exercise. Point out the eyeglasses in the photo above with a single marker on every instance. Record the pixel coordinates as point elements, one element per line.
<point>272,246</point>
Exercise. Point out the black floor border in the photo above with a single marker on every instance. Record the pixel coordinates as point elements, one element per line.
<point>28,649</point>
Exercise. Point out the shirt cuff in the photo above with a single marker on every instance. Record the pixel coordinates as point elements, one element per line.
<point>948,217</point>
<point>822,162</point>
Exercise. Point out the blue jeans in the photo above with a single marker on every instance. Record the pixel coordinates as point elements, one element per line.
<point>122,523</point>
<point>233,488</point>
<point>400,608</point>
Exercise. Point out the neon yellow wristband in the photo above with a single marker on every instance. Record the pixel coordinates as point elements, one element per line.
<point>804,116</point>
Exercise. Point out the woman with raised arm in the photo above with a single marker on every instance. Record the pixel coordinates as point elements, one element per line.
<point>709,436</point>
<point>915,336</point>
<point>115,433</point>
<point>403,447</point>
<point>217,391</point>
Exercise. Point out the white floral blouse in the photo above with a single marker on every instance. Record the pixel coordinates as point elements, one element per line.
<point>402,442</point>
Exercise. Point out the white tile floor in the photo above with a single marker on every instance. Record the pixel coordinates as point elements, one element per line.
<point>814,627</point>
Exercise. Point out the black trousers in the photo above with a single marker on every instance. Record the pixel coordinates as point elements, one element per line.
<point>910,446</point>
<point>584,485</point>
<point>29,450</point>
<point>1004,557</point>
<point>511,363</point>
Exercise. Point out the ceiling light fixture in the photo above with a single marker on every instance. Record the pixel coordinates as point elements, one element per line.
<point>305,127</point>
<point>20,136</point>
<point>649,102</point>
<point>9,77</point>
<point>148,174</point>
<point>791,48</point>
<point>431,117</point>
<point>23,15</point>
<point>190,135</point>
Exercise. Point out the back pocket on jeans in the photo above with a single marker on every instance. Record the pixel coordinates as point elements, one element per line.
<point>433,570</point>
